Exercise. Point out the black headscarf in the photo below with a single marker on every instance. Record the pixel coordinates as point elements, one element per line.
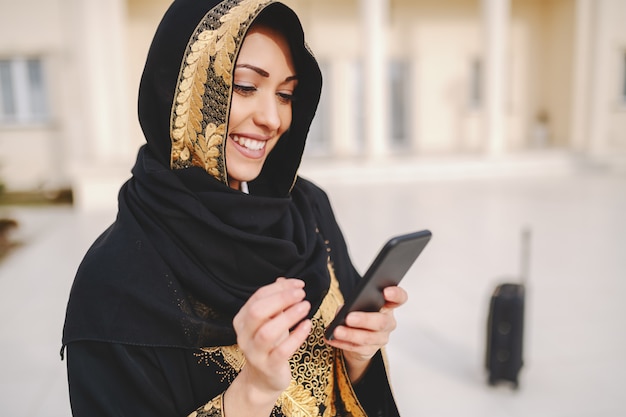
<point>186,251</point>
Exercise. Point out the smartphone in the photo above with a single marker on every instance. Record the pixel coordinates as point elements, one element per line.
<point>389,267</point>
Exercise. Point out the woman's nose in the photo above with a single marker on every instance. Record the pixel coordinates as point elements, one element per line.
<point>267,113</point>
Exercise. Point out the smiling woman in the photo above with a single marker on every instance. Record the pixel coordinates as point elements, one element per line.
<point>213,288</point>
<point>263,86</point>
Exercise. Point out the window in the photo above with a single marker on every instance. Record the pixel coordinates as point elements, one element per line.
<point>319,134</point>
<point>476,84</point>
<point>624,79</point>
<point>358,109</point>
<point>22,91</point>
<point>399,101</point>
<point>398,85</point>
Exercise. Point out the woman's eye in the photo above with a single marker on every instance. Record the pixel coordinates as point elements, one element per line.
<point>244,90</point>
<point>285,98</point>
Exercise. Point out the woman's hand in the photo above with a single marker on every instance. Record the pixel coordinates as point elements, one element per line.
<point>365,333</point>
<point>263,334</point>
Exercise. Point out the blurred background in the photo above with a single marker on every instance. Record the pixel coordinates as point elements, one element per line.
<point>473,118</point>
<point>460,81</point>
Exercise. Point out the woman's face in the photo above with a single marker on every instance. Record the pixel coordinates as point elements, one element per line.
<point>263,87</point>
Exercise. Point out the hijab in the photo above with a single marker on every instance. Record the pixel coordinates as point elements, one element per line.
<point>186,251</point>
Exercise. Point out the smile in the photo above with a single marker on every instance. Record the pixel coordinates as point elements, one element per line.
<point>252,144</point>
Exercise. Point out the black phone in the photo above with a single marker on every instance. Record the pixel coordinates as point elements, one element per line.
<point>389,267</point>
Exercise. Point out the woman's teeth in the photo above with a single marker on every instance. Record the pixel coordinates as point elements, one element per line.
<point>254,145</point>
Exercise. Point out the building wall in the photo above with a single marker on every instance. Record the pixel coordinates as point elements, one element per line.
<point>30,154</point>
<point>542,61</point>
<point>608,124</point>
<point>441,41</point>
<point>566,60</point>
<point>143,18</point>
<point>80,44</point>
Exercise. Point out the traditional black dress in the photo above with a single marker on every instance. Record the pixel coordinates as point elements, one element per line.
<point>148,330</point>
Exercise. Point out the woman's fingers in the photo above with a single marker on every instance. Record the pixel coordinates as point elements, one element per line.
<point>275,330</point>
<point>364,332</point>
<point>263,324</point>
<point>373,322</point>
<point>382,321</point>
<point>394,297</point>
<point>363,336</point>
<point>263,331</point>
<point>268,302</point>
<point>294,340</point>
<point>279,285</point>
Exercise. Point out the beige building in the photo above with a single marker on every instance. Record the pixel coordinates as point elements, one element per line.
<point>409,79</point>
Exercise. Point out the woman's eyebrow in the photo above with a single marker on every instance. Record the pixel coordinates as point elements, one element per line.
<point>264,73</point>
<point>258,70</point>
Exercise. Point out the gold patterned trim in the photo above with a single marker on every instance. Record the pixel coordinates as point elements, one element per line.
<point>231,354</point>
<point>201,104</point>
<point>320,384</point>
<point>214,408</point>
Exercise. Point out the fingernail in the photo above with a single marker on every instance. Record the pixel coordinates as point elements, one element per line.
<point>339,332</point>
<point>304,306</point>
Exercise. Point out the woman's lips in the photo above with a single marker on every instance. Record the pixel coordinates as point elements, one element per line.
<point>252,148</point>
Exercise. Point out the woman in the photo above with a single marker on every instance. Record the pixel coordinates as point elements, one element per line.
<point>212,288</point>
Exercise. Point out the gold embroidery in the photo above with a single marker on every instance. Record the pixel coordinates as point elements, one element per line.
<point>213,408</point>
<point>296,401</point>
<point>345,390</point>
<point>200,108</point>
<point>231,363</point>
<point>234,357</point>
<point>319,377</point>
<point>333,299</point>
<point>228,36</point>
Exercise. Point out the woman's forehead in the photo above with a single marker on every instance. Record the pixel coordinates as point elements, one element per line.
<point>266,49</point>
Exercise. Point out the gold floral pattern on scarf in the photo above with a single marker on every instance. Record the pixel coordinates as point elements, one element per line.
<point>202,98</point>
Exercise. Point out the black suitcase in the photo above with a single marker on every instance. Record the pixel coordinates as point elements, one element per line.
<point>505,327</point>
<point>505,333</point>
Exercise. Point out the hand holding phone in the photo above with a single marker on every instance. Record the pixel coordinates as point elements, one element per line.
<point>389,267</point>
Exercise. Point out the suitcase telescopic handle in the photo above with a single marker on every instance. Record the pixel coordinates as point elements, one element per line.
<point>525,256</point>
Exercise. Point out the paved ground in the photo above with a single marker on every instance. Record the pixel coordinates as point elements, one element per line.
<point>575,336</point>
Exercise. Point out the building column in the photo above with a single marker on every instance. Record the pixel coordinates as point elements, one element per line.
<point>100,54</point>
<point>601,80</point>
<point>342,95</point>
<point>496,16</point>
<point>100,150</point>
<point>375,86</point>
<point>582,68</point>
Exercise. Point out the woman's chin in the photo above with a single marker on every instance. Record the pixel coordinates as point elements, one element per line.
<point>240,175</point>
